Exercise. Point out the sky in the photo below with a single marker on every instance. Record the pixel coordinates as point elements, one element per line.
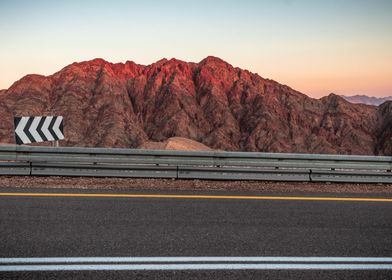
<point>314,46</point>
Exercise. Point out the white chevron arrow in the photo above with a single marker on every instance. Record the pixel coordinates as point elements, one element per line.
<point>45,130</point>
<point>33,129</point>
<point>19,130</point>
<point>56,127</point>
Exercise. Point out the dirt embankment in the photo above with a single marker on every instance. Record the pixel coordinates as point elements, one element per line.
<point>187,185</point>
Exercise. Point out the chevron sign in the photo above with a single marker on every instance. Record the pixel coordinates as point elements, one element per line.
<point>38,129</point>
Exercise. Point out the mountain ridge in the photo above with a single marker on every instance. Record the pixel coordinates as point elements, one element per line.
<point>224,107</point>
<point>368,100</point>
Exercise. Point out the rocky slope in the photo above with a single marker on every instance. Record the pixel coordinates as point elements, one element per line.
<point>176,143</point>
<point>369,100</point>
<point>125,105</point>
<point>384,143</point>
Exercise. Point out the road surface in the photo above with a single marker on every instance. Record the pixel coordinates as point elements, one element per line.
<point>76,234</point>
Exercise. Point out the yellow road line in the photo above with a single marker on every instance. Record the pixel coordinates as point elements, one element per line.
<point>181,196</point>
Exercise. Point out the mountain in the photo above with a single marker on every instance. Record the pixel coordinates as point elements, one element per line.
<point>211,102</point>
<point>369,100</point>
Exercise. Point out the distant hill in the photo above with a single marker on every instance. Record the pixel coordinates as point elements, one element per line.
<point>175,143</point>
<point>368,100</point>
<point>210,102</point>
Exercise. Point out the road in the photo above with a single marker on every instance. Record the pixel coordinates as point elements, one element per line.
<point>117,230</point>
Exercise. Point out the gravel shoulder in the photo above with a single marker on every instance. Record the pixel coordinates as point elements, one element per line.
<point>54,182</point>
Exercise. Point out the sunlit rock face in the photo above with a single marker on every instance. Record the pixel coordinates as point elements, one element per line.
<point>211,102</point>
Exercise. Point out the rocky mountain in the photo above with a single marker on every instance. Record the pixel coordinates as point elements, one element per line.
<point>369,100</point>
<point>212,102</point>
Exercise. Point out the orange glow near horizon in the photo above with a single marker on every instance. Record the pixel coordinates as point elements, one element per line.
<point>316,47</point>
<point>312,83</point>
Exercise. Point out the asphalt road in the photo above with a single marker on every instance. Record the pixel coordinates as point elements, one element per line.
<point>107,227</point>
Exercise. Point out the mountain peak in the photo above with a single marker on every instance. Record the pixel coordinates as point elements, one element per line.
<point>95,61</point>
<point>99,60</point>
<point>213,60</point>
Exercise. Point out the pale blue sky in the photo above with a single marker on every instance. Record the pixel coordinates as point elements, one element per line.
<point>317,47</point>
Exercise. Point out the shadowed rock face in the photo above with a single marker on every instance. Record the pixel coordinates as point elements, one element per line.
<point>124,105</point>
<point>384,137</point>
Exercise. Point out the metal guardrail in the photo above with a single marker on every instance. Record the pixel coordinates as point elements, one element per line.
<point>99,162</point>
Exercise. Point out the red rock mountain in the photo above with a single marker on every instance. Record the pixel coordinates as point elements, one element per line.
<point>212,102</point>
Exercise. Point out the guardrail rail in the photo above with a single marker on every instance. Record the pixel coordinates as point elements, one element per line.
<point>103,162</point>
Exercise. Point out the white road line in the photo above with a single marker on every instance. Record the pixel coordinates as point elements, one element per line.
<point>196,259</point>
<point>236,266</point>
